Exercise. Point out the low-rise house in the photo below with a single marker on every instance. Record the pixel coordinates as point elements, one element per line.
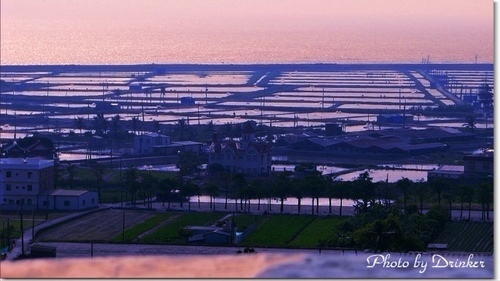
<point>479,166</point>
<point>446,172</point>
<point>72,200</point>
<point>158,144</point>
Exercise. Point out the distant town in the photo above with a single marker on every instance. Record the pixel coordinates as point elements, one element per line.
<point>395,155</point>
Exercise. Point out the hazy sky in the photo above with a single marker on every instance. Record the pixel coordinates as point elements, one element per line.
<point>284,13</point>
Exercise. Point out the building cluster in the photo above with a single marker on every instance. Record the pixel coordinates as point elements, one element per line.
<point>27,179</point>
<point>373,143</point>
<point>28,184</point>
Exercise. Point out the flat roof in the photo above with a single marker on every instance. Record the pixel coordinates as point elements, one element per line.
<point>25,163</point>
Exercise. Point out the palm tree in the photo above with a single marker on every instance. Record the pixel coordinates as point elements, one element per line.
<point>470,122</point>
<point>485,196</point>
<point>239,181</point>
<point>340,191</point>
<point>115,125</point>
<point>71,172</point>
<point>135,124</point>
<point>100,123</point>
<point>213,191</point>
<point>297,191</point>
<point>438,185</point>
<point>363,191</point>
<point>466,192</point>
<point>79,123</point>
<point>131,183</point>
<point>98,171</point>
<point>156,126</point>
<point>190,189</point>
<point>281,185</point>
<point>181,123</point>
<point>403,184</point>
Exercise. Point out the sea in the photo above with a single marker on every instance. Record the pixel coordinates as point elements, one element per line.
<point>251,32</point>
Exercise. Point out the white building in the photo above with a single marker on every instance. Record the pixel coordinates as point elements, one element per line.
<point>246,156</point>
<point>72,200</point>
<point>29,182</point>
<point>158,144</point>
<point>22,180</point>
<point>147,144</point>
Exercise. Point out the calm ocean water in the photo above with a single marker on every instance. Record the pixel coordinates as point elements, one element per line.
<point>132,32</point>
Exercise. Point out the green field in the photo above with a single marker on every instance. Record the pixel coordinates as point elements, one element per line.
<point>169,233</point>
<point>467,236</point>
<point>243,221</point>
<point>321,228</point>
<point>278,230</point>
<point>132,233</point>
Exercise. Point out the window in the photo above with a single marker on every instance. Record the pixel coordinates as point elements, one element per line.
<point>93,200</point>
<point>83,202</point>
<point>30,187</point>
<point>8,174</point>
<point>8,187</point>
<point>66,203</point>
<point>30,174</point>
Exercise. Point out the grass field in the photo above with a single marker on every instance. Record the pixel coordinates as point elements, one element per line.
<point>132,233</point>
<point>278,230</point>
<point>170,232</point>
<point>320,229</point>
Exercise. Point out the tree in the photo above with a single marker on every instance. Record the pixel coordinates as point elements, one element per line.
<point>239,181</point>
<point>71,169</point>
<point>465,192</point>
<point>485,95</point>
<point>156,126</point>
<point>438,185</point>
<point>100,124</point>
<point>190,189</point>
<point>181,124</point>
<point>315,185</point>
<point>422,191</point>
<point>363,191</point>
<point>297,191</point>
<point>168,187</point>
<point>79,123</point>
<point>340,190</point>
<point>148,183</point>
<point>470,122</point>
<point>281,185</point>
<point>213,190</point>
<point>135,124</point>
<point>485,197</point>
<point>131,183</point>
<point>403,184</point>
<point>188,162</point>
<point>115,126</point>
<point>98,171</point>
